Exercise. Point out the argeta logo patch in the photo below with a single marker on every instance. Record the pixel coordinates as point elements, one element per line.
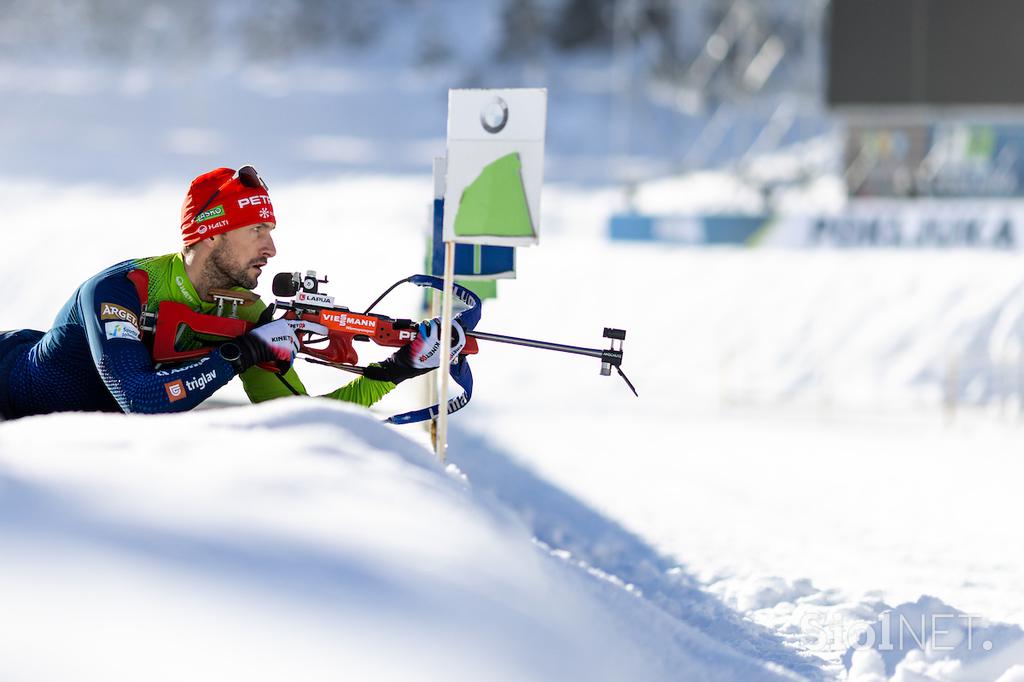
<point>112,311</point>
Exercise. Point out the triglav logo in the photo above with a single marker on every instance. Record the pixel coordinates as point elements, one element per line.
<point>175,390</point>
<point>201,381</point>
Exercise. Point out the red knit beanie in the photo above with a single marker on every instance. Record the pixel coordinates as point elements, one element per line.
<point>227,204</point>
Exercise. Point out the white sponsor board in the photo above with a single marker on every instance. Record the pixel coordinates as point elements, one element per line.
<point>495,166</point>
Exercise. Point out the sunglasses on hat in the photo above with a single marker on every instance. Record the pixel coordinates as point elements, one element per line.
<point>247,175</point>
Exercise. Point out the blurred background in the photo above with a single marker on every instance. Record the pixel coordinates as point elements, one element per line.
<point>639,88</point>
<point>894,98</point>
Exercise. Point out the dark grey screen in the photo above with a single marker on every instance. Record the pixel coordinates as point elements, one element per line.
<point>957,52</point>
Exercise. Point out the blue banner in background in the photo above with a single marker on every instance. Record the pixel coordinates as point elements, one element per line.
<point>862,223</point>
<point>703,230</point>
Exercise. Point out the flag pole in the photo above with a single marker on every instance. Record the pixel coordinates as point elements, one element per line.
<point>441,444</point>
<point>435,295</point>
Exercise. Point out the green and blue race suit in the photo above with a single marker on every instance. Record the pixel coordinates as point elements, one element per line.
<point>95,359</point>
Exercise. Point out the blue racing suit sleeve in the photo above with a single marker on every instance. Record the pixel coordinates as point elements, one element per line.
<point>110,312</point>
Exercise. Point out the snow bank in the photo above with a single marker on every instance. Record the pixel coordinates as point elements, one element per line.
<point>294,540</point>
<point>930,640</point>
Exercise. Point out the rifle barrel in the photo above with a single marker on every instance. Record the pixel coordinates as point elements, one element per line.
<point>533,343</point>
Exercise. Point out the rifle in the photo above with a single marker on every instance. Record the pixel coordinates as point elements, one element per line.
<point>301,298</point>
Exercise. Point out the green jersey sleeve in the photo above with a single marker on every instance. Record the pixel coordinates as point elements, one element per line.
<point>362,391</point>
<point>260,384</point>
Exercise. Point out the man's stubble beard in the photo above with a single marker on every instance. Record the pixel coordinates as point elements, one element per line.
<point>223,271</point>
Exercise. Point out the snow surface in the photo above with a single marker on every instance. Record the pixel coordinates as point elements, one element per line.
<point>299,539</point>
<point>803,443</point>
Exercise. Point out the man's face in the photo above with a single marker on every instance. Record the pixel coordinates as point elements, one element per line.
<point>239,255</point>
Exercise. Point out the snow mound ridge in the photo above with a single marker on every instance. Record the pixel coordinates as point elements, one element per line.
<point>297,539</point>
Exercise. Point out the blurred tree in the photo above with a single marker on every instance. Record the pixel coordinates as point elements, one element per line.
<point>584,23</point>
<point>274,29</point>
<point>524,28</point>
<point>661,40</point>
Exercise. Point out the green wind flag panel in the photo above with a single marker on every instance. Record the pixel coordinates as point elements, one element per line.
<point>484,288</point>
<point>495,203</point>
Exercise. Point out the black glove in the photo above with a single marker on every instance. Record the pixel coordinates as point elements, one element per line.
<point>394,370</point>
<point>274,343</point>
<point>419,356</point>
<point>245,351</point>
